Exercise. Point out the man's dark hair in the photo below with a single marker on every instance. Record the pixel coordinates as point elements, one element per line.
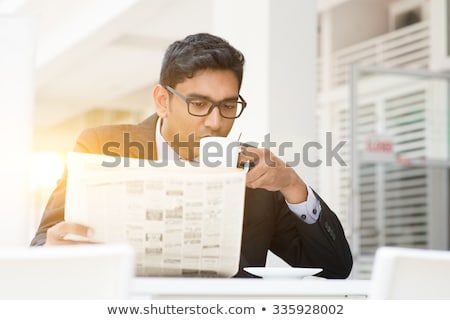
<point>197,52</point>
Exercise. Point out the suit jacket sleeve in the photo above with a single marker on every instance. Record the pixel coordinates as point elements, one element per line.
<point>322,244</point>
<point>54,210</point>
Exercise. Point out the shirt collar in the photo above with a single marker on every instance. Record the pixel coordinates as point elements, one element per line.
<point>163,150</point>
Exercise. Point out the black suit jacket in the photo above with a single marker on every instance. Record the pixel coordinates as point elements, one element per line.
<point>268,222</point>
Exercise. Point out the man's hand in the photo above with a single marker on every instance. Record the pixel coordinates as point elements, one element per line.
<point>57,234</point>
<point>273,174</point>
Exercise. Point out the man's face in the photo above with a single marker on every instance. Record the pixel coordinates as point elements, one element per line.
<point>184,131</point>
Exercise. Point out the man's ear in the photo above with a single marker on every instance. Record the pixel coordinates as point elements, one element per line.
<point>161,99</point>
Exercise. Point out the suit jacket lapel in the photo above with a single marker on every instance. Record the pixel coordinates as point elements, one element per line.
<point>144,136</point>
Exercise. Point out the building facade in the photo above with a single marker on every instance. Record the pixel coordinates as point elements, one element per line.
<point>383,89</point>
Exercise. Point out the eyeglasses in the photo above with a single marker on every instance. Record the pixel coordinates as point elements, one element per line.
<point>201,107</point>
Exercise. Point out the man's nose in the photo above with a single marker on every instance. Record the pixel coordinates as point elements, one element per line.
<point>214,119</point>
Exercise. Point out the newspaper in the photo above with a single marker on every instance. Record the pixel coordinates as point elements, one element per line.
<point>181,221</point>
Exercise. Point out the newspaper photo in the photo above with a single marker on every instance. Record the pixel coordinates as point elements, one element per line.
<point>181,220</point>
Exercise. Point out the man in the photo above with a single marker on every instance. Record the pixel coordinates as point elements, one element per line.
<point>198,96</point>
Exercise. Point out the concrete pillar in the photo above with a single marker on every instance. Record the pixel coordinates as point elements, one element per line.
<point>278,39</point>
<point>16,105</point>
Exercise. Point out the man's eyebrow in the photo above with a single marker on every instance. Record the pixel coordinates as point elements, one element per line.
<point>201,96</point>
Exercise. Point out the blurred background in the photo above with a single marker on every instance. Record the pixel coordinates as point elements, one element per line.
<point>373,74</point>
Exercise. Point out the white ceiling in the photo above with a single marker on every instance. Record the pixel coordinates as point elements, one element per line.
<point>105,53</point>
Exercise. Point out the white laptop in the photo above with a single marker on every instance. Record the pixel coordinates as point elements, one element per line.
<point>96,271</point>
<point>406,273</point>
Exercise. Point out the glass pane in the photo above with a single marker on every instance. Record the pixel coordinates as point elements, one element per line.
<point>400,162</point>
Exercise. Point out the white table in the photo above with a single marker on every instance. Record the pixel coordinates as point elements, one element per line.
<point>213,288</point>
